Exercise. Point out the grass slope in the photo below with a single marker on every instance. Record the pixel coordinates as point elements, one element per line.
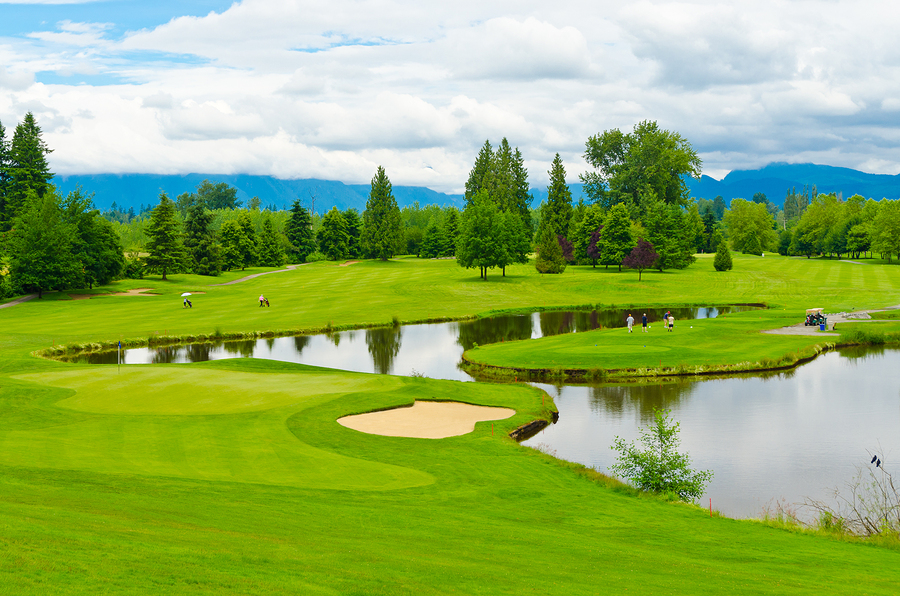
<point>234,477</point>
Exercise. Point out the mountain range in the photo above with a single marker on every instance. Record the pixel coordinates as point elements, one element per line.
<point>773,180</point>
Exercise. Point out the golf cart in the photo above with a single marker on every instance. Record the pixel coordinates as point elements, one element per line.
<point>814,317</point>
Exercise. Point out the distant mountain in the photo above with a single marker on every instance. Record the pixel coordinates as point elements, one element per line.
<point>776,179</point>
<point>135,190</point>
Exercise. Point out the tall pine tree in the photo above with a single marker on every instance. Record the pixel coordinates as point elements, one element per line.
<point>382,235</point>
<point>298,230</point>
<point>557,211</point>
<point>165,247</point>
<point>270,248</point>
<point>4,175</point>
<point>29,171</point>
<point>201,242</point>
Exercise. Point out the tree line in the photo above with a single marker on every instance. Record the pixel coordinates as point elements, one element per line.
<point>638,215</point>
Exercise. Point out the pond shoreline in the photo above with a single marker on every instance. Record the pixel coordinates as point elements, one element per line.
<point>56,352</point>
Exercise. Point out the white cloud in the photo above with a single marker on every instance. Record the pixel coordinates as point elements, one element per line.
<point>331,89</point>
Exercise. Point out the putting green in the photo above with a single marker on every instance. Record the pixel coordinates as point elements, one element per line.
<point>203,424</point>
<point>154,389</point>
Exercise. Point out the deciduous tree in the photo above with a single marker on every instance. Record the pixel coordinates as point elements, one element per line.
<point>40,246</point>
<point>334,242</point>
<point>647,164</point>
<point>641,257</point>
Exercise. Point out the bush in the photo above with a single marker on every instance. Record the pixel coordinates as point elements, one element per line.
<point>315,256</point>
<point>659,468</point>
<point>722,261</point>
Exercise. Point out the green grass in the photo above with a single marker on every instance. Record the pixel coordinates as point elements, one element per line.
<point>703,346</point>
<point>234,476</point>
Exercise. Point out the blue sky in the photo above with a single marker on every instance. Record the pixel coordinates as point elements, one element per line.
<point>333,88</point>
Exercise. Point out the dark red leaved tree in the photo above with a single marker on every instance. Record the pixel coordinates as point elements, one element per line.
<point>641,257</point>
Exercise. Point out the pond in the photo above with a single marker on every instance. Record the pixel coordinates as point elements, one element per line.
<point>433,350</point>
<point>767,437</point>
<point>786,436</point>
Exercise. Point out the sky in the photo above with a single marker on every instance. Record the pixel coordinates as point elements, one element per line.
<point>331,89</point>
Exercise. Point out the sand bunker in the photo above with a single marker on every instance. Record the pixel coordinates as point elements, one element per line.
<point>425,420</point>
<point>135,292</point>
<point>348,263</point>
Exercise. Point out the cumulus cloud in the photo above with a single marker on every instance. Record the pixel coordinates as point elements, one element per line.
<point>333,88</point>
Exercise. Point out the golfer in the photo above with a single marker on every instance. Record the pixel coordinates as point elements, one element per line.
<point>671,323</point>
<point>644,323</point>
<point>262,300</point>
<point>630,321</point>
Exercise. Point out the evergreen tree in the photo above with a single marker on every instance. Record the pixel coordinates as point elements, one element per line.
<point>334,241</point>
<point>433,243</point>
<point>40,246</point>
<point>270,249</point>
<point>722,260</point>
<point>200,241</point>
<point>450,232</point>
<point>615,238</point>
<point>354,232</point>
<point>298,230</point>
<point>522,204</point>
<point>480,178</point>
<point>382,235</point>
<point>165,248</point>
<point>28,169</point>
<point>557,211</point>
<point>5,174</point>
<point>550,257</point>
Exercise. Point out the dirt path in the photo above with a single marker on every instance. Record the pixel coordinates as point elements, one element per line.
<point>237,281</point>
<point>24,298</point>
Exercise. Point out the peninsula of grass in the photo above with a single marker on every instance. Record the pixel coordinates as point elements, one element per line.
<point>727,344</point>
<point>234,477</point>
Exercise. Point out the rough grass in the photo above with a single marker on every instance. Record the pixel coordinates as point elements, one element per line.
<point>233,476</point>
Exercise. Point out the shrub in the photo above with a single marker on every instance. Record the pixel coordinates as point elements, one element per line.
<point>722,261</point>
<point>315,256</point>
<point>659,467</point>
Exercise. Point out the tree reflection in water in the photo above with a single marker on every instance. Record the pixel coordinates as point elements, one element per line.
<point>384,345</point>
<point>640,397</point>
<point>165,355</point>
<point>198,352</point>
<point>300,342</point>
<point>493,330</point>
<point>243,348</point>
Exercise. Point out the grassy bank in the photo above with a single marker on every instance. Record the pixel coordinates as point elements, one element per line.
<point>234,477</point>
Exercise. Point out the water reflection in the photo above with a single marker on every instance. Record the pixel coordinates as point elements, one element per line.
<point>791,434</point>
<point>613,400</point>
<point>384,345</point>
<point>433,349</point>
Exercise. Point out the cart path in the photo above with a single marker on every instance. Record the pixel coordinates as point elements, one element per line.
<point>833,319</point>
<point>237,281</point>
<point>20,300</point>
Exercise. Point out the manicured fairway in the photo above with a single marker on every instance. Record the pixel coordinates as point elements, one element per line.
<point>233,477</point>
